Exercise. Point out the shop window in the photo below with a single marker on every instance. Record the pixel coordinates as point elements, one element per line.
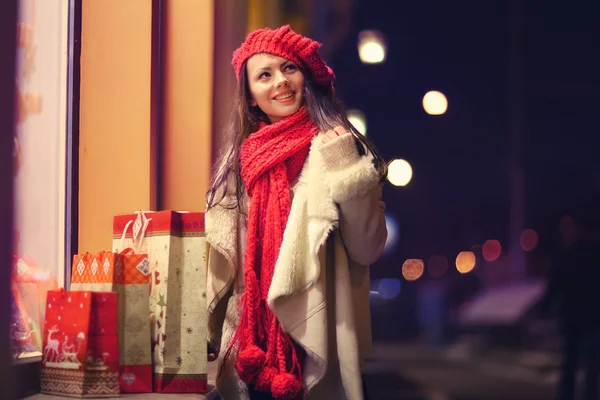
<point>43,167</point>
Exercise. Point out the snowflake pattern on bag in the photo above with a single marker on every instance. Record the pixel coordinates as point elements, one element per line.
<point>136,293</point>
<point>106,266</point>
<point>80,267</point>
<point>94,266</point>
<point>134,324</point>
<point>135,354</point>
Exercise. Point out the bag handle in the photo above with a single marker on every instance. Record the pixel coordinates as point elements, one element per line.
<point>127,251</point>
<point>124,233</point>
<point>138,230</point>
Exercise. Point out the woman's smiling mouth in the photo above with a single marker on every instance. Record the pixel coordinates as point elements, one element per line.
<point>287,96</point>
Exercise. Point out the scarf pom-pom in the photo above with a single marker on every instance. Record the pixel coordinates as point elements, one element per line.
<point>265,379</point>
<point>286,386</point>
<point>250,362</point>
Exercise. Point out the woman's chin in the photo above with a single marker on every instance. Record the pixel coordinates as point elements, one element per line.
<point>281,114</point>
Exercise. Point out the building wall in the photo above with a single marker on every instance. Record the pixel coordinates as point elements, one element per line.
<point>145,111</point>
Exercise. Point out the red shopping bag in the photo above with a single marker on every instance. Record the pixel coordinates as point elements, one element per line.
<point>81,344</point>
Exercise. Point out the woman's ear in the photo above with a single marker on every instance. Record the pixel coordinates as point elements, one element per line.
<point>253,102</point>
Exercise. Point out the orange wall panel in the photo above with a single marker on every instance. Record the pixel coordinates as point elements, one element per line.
<point>117,125</point>
<point>187,99</point>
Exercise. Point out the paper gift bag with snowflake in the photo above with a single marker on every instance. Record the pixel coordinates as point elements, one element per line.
<point>127,274</point>
<point>176,247</point>
<point>81,345</point>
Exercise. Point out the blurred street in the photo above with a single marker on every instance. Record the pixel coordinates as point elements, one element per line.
<point>417,372</point>
<point>411,372</point>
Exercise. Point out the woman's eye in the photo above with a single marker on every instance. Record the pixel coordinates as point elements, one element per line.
<point>264,75</point>
<point>290,67</point>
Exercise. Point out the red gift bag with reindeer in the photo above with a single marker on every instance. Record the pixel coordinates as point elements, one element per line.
<point>81,345</point>
<point>176,246</point>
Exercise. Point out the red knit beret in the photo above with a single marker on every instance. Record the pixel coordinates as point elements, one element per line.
<point>286,43</point>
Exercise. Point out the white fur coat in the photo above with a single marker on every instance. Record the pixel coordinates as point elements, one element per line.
<point>320,285</point>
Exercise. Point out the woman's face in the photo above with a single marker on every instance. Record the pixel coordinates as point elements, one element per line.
<point>276,85</point>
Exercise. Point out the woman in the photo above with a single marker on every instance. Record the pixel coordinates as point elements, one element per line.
<point>294,219</point>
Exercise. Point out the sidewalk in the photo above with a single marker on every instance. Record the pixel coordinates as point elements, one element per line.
<point>385,383</point>
<point>460,374</point>
<point>527,366</point>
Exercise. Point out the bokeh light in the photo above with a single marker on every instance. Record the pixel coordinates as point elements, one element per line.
<point>412,269</point>
<point>437,265</point>
<point>371,47</point>
<point>389,288</point>
<point>358,120</point>
<point>435,103</point>
<point>465,262</point>
<point>393,229</point>
<point>399,172</point>
<point>529,239</point>
<point>491,250</point>
<point>567,228</point>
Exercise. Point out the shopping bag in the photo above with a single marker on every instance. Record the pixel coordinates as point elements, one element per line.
<point>176,247</point>
<point>127,274</point>
<point>81,345</point>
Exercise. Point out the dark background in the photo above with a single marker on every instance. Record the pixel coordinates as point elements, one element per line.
<point>459,194</point>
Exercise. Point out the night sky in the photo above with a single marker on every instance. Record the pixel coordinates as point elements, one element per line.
<point>459,194</point>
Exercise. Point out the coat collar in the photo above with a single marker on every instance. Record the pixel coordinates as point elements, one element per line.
<point>313,216</point>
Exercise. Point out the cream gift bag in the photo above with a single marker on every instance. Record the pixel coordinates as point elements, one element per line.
<point>176,246</point>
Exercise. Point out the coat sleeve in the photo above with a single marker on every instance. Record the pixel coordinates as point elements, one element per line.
<point>363,228</point>
<point>355,187</point>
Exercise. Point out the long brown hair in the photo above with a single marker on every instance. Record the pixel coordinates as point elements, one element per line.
<point>325,110</point>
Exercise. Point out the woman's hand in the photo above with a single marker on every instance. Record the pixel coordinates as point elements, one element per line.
<point>211,352</point>
<point>334,134</point>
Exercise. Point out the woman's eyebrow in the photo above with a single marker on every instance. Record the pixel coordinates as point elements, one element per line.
<point>269,68</point>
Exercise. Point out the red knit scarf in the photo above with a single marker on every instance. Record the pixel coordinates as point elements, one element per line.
<point>271,158</point>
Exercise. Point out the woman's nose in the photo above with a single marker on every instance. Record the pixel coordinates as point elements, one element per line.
<point>281,80</point>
